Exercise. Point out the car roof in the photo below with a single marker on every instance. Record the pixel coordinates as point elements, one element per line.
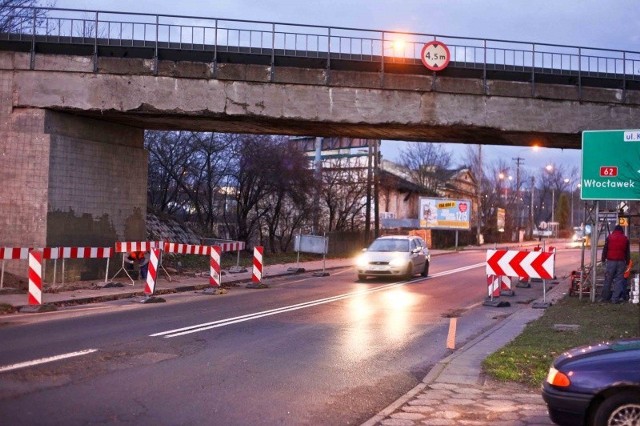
<point>404,237</point>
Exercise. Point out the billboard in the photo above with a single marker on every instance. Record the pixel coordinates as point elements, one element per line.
<point>445,213</point>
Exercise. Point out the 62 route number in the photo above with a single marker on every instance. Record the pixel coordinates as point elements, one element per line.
<point>608,171</point>
<point>435,55</point>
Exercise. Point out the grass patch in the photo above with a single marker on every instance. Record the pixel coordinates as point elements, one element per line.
<point>528,357</point>
<point>5,308</point>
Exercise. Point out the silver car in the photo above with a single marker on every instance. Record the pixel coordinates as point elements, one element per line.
<point>394,256</point>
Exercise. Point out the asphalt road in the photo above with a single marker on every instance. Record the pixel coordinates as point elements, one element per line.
<point>308,350</point>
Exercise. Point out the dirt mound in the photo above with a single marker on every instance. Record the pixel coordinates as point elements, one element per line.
<point>12,281</point>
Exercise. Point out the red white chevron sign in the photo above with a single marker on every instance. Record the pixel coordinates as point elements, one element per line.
<point>526,264</point>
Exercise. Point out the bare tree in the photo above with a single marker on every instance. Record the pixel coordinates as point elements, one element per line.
<point>288,202</point>
<point>169,169</point>
<point>426,162</point>
<point>260,165</point>
<point>344,195</point>
<point>17,15</point>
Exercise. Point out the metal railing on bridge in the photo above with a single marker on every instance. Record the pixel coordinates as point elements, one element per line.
<point>216,36</point>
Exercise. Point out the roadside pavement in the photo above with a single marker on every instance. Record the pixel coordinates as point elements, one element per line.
<point>454,392</point>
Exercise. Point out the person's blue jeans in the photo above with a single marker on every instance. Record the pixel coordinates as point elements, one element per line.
<point>143,271</point>
<point>614,273</point>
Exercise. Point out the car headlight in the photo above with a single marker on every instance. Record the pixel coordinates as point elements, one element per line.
<point>558,378</point>
<point>362,261</point>
<point>398,262</point>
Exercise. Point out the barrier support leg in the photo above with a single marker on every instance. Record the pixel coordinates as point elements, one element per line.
<point>297,269</point>
<point>122,268</point>
<point>62,278</point>
<point>2,275</point>
<point>323,273</point>
<point>55,269</point>
<point>106,273</point>
<point>162,267</point>
<point>237,269</point>
<point>544,304</point>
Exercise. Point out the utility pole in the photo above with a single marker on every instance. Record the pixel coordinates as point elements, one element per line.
<point>533,187</point>
<point>479,195</point>
<point>376,183</point>
<point>316,195</point>
<point>519,161</point>
<point>367,219</point>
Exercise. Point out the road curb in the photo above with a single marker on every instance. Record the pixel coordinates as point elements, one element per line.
<point>139,293</point>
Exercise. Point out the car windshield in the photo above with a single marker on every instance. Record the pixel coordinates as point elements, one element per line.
<point>389,245</point>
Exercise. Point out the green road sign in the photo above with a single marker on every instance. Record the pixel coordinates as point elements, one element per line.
<point>610,165</point>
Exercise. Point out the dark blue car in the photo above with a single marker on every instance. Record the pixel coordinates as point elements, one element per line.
<point>595,385</point>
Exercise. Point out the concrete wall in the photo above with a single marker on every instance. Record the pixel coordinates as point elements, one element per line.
<point>97,182</point>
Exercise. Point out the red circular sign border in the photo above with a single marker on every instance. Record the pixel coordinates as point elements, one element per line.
<point>432,43</point>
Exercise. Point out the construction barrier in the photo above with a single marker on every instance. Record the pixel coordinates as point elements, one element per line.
<point>152,272</point>
<point>493,286</point>
<point>256,275</point>
<point>179,248</point>
<point>22,253</point>
<point>506,287</point>
<point>86,253</point>
<point>226,246</point>
<point>11,253</point>
<point>35,278</point>
<point>215,276</point>
<point>538,264</point>
<point>55,253</point>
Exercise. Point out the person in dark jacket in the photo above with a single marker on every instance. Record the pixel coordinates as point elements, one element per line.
<point>617,254</point>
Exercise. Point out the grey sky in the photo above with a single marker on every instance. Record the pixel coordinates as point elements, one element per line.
<point>610,24</point>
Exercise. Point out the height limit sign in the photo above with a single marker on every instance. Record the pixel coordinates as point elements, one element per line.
<point>435,55</point>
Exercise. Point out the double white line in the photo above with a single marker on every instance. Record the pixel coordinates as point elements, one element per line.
<point>242,318</point>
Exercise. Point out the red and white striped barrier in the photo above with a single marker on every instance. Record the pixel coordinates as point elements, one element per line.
<point>179,248</point>
<point>493,285</point>
<point>215,277</point>
<point>11,253</point>
<point>14,253</point>
<point>232,246</point>
<point>22,253</point>
<point>152,272</point>
<point>506,286</point>
<point>129,246</point>
<point>35,278</point>
<point>256,276</point>
<point>86,253</point>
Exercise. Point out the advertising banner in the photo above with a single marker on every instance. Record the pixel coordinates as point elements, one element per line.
<point>445,213</point>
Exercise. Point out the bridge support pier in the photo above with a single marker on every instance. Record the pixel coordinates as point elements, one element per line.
<point>68,180</point>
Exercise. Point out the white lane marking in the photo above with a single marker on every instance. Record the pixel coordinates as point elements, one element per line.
<point>247,317</point>
<point>45,360</point>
